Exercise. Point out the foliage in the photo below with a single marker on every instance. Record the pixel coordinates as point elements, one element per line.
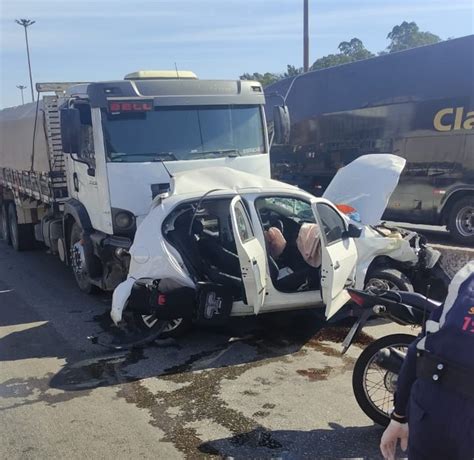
<point>408,35</point>
<point>351,51</point>
<point>404,36</point>
<point>265,79</point>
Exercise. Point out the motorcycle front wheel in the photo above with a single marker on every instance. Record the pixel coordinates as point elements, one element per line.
<point>373,386</point>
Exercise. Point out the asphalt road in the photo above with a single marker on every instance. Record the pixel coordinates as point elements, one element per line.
<point>268,387</point>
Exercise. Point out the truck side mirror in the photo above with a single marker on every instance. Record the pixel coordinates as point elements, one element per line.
<point>71,130</point>
<point>281,124</point>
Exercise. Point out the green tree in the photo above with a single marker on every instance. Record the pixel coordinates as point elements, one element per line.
<point>292,71</point>
<point>330,60</point>
<point>353,50</point>
<point>265,79</point>
<point>408,35</point>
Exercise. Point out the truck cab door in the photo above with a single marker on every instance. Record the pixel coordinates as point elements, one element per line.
<point>252,256</point>
<point>338,257</point>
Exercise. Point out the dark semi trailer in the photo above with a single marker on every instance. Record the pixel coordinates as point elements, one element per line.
<point>418,104</point>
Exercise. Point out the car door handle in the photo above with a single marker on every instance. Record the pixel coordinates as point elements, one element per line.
<point>337,265</point>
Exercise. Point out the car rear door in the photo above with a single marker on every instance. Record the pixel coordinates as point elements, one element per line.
<point>252,256</point>
<point>339,257</point>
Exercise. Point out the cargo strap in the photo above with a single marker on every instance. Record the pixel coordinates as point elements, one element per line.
<point>447,374</point>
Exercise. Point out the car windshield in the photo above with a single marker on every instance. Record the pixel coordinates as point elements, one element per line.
<point>184,133</point>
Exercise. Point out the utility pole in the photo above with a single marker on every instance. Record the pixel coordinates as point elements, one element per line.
<point>21,88</point>
<point>27,23</point>
<point>305,37</point>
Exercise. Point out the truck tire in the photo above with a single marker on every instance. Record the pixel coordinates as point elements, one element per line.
<point>22,235</point>
<point>78,264</point>
<point>461,221</point>
<point>4,226</point>
<point>388,279</point>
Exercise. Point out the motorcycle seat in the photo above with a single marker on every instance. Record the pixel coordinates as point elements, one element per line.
<point>414,299</point>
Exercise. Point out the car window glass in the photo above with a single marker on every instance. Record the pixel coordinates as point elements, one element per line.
<point>293,208</point>
<point>243,223</point>
<point>333,224</point>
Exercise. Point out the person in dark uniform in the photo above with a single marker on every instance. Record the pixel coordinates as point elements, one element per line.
<point>434,402</point>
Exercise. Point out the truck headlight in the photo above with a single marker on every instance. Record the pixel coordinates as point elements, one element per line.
<point>123,221</point>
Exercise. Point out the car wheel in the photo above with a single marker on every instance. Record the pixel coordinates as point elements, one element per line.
<point>461,221</point>
<point>78,261</point>
<point>388,279</point>
<point>174,328</point>
<point>4,226</point>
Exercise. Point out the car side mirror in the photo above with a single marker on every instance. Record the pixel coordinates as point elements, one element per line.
<point>281,124</point>
<point>71,130</point>
<point>353,231</point>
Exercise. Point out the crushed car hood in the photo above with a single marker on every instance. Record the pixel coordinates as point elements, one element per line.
<point>366,184</point>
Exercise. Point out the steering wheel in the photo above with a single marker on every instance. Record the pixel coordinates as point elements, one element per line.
<point>277,223</point>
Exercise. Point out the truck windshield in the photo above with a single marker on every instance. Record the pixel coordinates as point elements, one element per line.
<point>184,133</point>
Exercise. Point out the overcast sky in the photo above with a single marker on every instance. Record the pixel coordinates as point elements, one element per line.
<point>87,40</point>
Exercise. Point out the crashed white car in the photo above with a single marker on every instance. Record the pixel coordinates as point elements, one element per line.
<point>203,251</point>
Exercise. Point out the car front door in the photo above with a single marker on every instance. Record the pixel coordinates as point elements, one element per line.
<point>252,256</point>
<point>339,257</point>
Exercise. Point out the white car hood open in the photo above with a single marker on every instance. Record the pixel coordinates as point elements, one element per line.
<point>366,184</point>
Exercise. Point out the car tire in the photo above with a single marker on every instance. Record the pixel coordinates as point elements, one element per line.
<point>461,221</point>
<point>388,279</point>
<point>78,265</point>
<point>22,236</point>
<point>177,328</point>
<point>4,225</point>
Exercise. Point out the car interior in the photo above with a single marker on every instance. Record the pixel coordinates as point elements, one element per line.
<point>204,238</point>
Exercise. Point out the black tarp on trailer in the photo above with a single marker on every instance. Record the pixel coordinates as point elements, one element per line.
<point>417,103</point>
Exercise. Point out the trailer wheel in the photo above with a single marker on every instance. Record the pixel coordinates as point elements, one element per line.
<point>78,261</point>
<point>22,235</point>
<point>461,221</point>
<point>4,226</point>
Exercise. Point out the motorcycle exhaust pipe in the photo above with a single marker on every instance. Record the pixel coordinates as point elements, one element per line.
<point>390,359</point>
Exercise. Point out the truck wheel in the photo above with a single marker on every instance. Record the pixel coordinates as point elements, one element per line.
<point>388,279</point>
<point>78,261</point>
<point>461,221</point>
<point>4,227</point>
<point>22,235</point>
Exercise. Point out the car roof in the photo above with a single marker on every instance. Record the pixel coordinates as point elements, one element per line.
<point>223,179</point>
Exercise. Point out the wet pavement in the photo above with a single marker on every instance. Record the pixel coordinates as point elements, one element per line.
<point>274,386</point>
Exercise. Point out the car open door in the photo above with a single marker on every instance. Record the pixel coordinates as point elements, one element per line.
<point>338,257</point>
<point>253,259</point>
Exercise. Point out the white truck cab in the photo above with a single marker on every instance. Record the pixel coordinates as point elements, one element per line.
<point>109,148</point>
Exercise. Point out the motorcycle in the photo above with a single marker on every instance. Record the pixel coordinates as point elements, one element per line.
<point>375,375</point>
